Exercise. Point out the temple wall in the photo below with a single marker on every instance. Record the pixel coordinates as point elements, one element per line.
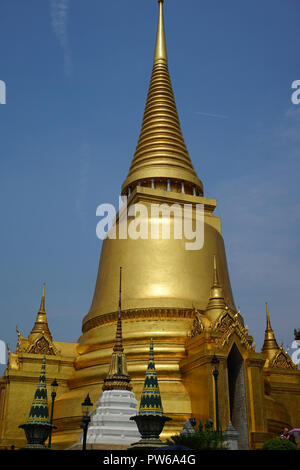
<point>18,386</point>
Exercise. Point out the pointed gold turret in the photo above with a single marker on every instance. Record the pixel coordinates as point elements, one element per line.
<point>42,306</point>
<point>161,153</point>
<point>216,304</point>
<point>160,46</point>
<point>41,324</point>
<point>117,377</point>
<point>270,346</point>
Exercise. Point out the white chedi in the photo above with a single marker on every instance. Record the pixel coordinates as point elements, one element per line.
<point>110,423</point>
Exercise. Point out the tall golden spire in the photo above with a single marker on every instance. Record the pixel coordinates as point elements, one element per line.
<point>270,346</point>
<point>117,377</point>
<point>216,304</point>
<point>41,324</point>
<point>161,153</point>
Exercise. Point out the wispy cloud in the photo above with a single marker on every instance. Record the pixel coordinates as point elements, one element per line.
<point>219,116</point>
<point>59,11</point>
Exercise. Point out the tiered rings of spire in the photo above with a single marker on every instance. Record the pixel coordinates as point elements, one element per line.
<point>39,409</point>
<point>161,156</point>
<point>117,377</point>
<point>150,399</point>
<point>41,324</point>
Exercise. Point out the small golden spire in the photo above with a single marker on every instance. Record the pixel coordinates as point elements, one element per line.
<point>41,324</point>
<point>117,377</point>
<point>42,307</point>
<point>216,289</point>
<point>160,47</point>
<point>216,277</point>
<point>270,346</point>
<point>268,318</point>
<point>216,304</point>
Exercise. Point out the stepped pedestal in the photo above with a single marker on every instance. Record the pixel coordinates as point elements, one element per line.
<point>110,422</point>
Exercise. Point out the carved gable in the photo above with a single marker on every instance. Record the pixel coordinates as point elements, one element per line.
<point>282,361</point>
<point>227,324</point>
<point>42,346</point>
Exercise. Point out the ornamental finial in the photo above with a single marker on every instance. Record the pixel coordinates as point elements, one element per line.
<point>160,47</point>
<point>42,306</point>
<point>268,317</point>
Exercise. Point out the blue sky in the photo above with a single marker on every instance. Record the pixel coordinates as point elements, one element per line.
<point>77,74</point>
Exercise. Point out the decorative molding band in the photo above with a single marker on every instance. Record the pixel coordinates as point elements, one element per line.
<point>139,314</point>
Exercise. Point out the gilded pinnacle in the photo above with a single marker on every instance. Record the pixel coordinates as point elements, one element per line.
<point>270,346</point>
<point>161,153</point>
<point>268,318</point>
<point>216,304</point>
<point>216,291</point>
<point>117,377</point>
<point>160,47</point>
<point>42,307</point>
<point>41,324</point>
<point>216,276</point>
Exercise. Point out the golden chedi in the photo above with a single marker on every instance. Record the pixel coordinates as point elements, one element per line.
<point>180,297</point>
<point>163,283</point>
